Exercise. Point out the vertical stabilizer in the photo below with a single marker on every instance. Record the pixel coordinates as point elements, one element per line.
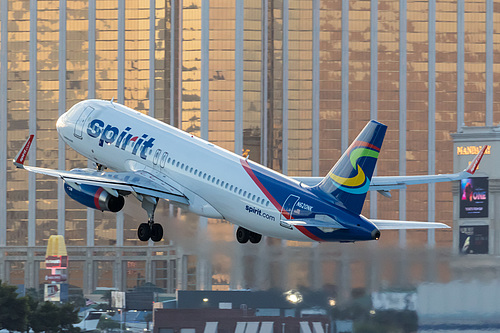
<point>349,179</point>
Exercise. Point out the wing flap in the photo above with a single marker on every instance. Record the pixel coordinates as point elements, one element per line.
<point>139,182</point>
<point>406,225</point>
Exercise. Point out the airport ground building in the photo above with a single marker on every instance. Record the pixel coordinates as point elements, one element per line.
<point>291,83</point>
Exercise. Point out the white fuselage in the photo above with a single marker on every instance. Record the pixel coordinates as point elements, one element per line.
<point>212,178</point>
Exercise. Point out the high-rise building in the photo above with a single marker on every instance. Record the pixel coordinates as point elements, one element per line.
<point>290,82</point>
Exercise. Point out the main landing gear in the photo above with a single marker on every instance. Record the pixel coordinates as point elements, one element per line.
<point>243,235</point>
<point>151,229</point>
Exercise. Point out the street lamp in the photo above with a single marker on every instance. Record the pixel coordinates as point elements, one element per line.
<point>293,296</point>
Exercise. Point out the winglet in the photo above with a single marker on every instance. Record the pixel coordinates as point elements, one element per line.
<point>21,156</point>
<point>475,162</point>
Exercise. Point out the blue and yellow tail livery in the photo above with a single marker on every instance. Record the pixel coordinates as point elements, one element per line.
<point>349,179</point>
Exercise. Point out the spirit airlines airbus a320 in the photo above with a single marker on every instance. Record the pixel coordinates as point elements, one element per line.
<point>153,161</point>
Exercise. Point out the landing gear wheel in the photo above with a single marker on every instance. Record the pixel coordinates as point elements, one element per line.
<point>156,232</point>
<point>144,232</point>
<point>242,235</point>
<point>255,237</point>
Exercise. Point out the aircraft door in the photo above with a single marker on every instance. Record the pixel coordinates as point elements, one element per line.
<point>288,206</point>
<point>81,121</point>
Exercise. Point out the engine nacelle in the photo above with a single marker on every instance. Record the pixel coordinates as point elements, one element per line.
<point>95,197</point>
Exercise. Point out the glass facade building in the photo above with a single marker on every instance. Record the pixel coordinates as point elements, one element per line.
<point>289,82</point>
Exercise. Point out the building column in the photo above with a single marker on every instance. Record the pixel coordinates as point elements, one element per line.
<point>2,269</point>
<point>373,275</point>
<point>264,83</point>
<point>121,99</point>
<point>402,115</point>
<point>29,269</point>
<point>89,284</point>
<point>61,161</point>
<point>316,268</point>
<point>173,25</point>
<point>152,57</point>
<point>238,77</point>
<point>431,146</point>
<point>32,123</point>
<point>460,64</point>
<point>118,276</point>
<point>4,15</point>
<point>344,136</point>
<point>203,267</point>
<point>91,95</point>
<point>149,267</point>
<point>205,54</point>
<point>373,86</point>
<point>489,62</point>
<point>494,211</point>
<point>237,269</point>
<point>344,277</point>
<point>285,88</point>
<point>262,266</point>
<point>315,87</point>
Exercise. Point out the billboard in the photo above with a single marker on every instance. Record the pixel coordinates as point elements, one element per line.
<point>52,293</point>
<point>474,197</point>
<point>473,239</point>
<point>118,299</point>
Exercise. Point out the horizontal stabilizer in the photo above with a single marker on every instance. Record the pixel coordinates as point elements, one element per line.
<point>399,225</point>
<point>387,183</point>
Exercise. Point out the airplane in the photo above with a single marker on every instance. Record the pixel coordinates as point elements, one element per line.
<point>152,161</point>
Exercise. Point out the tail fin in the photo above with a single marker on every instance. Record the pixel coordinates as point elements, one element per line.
<point>349,179</point>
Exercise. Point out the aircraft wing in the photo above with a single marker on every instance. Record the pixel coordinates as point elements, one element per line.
<point>398,225</point>
<point>386,183</point>
<point>140,182</point>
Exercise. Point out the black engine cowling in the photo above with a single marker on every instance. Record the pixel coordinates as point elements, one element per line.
<point>95,197</point>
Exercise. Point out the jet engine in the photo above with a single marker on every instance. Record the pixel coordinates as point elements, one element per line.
<point>95,197</point>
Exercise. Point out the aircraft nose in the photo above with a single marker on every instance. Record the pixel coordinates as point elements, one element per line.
<point>375,234</point>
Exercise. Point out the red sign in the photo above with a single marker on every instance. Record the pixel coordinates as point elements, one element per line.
<point>56,262</point>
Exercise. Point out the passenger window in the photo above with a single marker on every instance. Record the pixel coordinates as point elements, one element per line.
<point>157,156</point>
<point>163,159</point>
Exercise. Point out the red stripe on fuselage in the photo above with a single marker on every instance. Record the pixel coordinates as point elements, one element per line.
<point>96,198</point>
<point>306,232</point>
<point>287,215</point>
<point>247,168</point>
